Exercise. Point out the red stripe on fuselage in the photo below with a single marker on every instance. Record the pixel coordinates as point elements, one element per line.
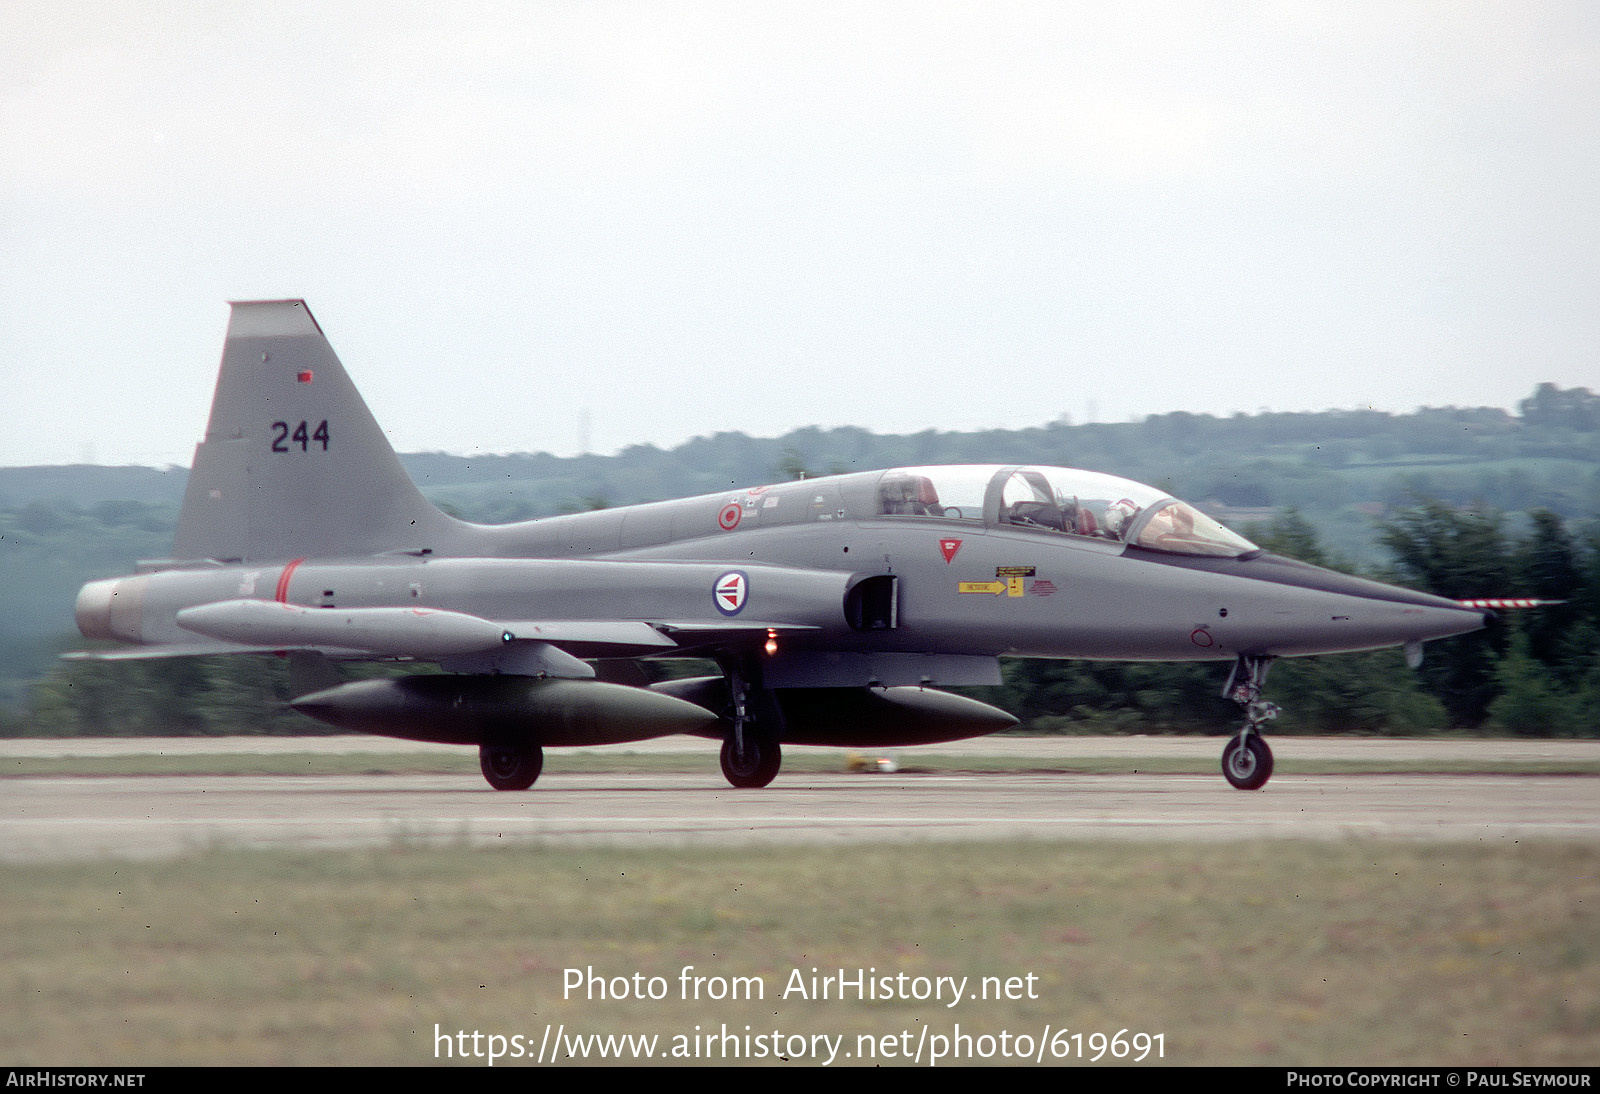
<point>282,596</point>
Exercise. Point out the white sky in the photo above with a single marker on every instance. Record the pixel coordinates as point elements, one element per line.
<point>683,218</point>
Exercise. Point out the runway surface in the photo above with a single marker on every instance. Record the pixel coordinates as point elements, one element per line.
<point>1383,749</point>
<point>50,818</point>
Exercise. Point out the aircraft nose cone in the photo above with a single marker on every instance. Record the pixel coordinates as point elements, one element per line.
<point>1303,609</point>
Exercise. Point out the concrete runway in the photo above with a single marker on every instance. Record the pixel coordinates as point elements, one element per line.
<point>1057,748</point>
<point>51,818</point>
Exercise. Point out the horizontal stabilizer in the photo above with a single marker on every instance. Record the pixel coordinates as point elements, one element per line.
<point>202,648</point>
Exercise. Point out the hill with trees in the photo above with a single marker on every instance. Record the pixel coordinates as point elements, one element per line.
<point>1459,501</point>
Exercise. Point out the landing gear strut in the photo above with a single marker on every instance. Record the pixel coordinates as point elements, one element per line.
<point>1247,761</point>
<point>511,766</point>
<point>751,756</point>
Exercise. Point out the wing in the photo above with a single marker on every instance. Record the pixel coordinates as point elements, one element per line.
<point>458,640</point>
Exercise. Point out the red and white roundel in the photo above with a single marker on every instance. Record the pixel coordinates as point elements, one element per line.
<point>728,519</point>
<point>729,593</point>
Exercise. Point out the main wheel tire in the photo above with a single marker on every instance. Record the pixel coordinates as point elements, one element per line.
<point>762,758</point>
<point>511,767</point>
<point>1247,762</point>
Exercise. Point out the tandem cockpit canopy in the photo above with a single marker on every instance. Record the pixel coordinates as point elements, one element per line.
<point>1060,500</point>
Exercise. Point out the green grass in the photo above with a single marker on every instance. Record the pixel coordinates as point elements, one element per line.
<point>1254,953</point>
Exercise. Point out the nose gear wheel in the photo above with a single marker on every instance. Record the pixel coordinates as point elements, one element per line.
<point>1247,760</point>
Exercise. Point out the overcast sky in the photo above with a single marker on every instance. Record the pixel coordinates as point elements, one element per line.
<point>667,220</point>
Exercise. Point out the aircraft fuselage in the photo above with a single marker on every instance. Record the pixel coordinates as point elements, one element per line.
<point>951,595</point>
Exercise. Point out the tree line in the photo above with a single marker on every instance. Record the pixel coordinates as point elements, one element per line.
<point>1470,501</point>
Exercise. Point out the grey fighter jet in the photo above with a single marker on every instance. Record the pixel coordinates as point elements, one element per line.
<point>833,607</point>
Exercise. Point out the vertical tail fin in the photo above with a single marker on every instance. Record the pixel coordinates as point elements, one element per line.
<point>293,464</point>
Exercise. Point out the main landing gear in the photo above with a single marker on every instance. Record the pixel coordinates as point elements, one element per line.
<point>511,766</point>
<point>755,765</point>
<point>751,755</point>
<point>1247,761</point>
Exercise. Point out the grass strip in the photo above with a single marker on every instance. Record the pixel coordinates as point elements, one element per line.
<point>1251,953</point>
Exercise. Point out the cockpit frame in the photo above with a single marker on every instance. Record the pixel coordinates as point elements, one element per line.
<point>1057,501</point>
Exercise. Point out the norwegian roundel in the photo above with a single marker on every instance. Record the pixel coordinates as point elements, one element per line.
<point>730,591</point>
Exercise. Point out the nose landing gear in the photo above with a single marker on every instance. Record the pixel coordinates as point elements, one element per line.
<point>1247,760</point>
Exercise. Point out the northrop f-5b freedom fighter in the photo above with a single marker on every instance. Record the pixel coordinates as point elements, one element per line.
<point>832,607</point>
